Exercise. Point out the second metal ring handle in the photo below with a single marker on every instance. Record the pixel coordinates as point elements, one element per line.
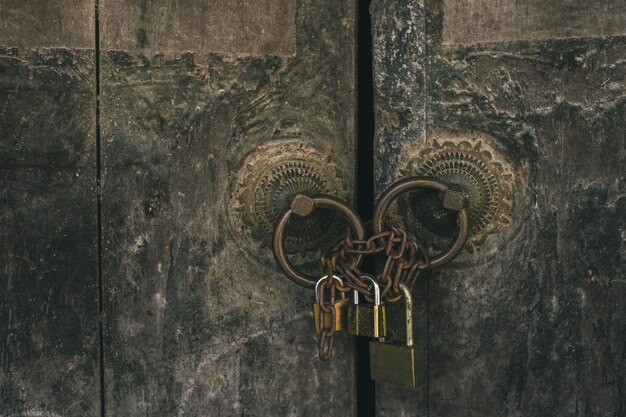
<point>451,200</point>
<point>303,206</point>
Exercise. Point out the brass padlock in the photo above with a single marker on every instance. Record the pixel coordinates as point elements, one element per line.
<point>396,363</point>
<point>340,309</point>
<point>369,320</point>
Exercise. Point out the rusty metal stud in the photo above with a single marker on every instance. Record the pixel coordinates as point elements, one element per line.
<point>302,205</point>
<point>454,200</point>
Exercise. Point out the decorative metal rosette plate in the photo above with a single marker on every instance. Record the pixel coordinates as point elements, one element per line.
<point>264,188</point>
<point>468,165</point>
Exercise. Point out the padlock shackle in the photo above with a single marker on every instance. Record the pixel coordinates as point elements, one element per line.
<point>409,313</point>
<point>317,286</point>
<point>370,278</point>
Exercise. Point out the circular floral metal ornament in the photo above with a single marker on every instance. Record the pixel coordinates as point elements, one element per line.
<point>471,166</point>
<point>269,179</point>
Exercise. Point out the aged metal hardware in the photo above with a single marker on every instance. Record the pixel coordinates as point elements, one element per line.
<point>323,319</point>
<point>370,319</point>
<point>467,163</point>
<point>405,257</point>
<point>303,206</point>
<point>348,253</point>
<point>454,200</point>
<point>327,306</point>
<point>399,363</point>
<point>268,179</point>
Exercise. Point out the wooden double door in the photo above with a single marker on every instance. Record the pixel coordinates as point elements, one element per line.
<point>145,147</point>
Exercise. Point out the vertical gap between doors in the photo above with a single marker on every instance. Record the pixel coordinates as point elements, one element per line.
<point>365,387</point>
<point>99,210</point>
<point>426,139</point>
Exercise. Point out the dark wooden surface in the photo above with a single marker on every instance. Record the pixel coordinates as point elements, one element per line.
<point>398,33</point>
<point>48,222</point>
<point>472,21</point>
<point>195,322</point>
<point>534,322</point>
<point>260,27</point>
<point>47,24</point>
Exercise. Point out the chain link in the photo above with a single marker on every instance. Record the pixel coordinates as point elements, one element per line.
<point>405,257</point>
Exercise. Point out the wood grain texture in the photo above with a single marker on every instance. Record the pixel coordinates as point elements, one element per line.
<point>399,78</point>
<point>48,234</point>
<point>260,27</point>
<point>474,21</point>
<point>534,322</point>
<point>47,24</point>
<point>197,324</point>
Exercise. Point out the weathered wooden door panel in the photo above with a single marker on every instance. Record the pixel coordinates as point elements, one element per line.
<point>48,218</point>
<point>533,321</point>
<point>197,319</point>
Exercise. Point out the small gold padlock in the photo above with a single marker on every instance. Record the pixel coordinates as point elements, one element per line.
<point>340,309</point>
<point>396,363</point>
<point>368,320</point>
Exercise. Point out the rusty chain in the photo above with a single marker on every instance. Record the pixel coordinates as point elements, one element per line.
<point>405,257</point>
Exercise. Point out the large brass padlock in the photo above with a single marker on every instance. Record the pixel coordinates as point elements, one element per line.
<point>340,309</point>
<point>396,363</point>
<point>369,320</point>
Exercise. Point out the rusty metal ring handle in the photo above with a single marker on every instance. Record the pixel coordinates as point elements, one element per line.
<point>452,200</point>
<point>303,206</point>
